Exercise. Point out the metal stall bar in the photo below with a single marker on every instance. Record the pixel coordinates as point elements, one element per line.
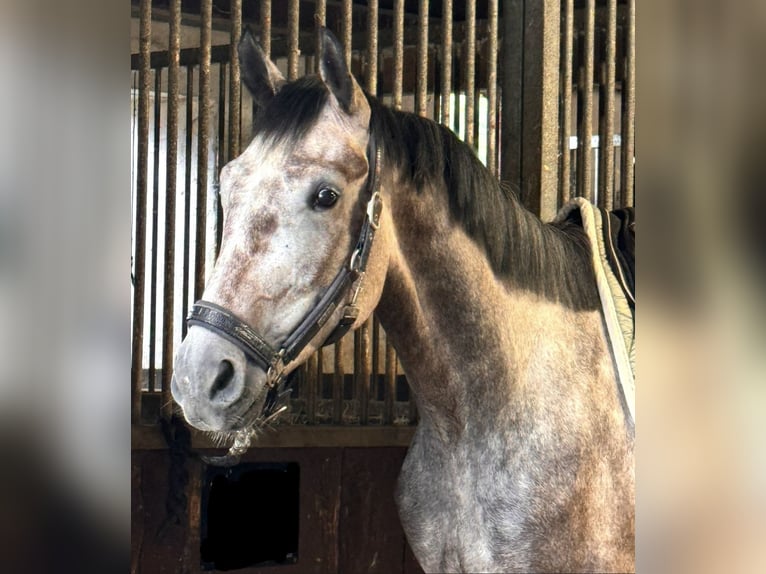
<point>174,54</point>
<point>399,53</point>
<point>606,111</point>
<point>220,153</point>
<point>511,113</point>
<point>187,194</point>
<point>492,87</point>
<point>314,367</point>
<point>470,72</point>
<point>320,17</point>
<point>139,261</point>
<point>421,88</point>
<point>365,332</point>
<point>446,71</point>
<point>348,22</point>
<point>585,106</point>
<point>293,33</point>
<point>565,190</point>
<point>265,39</point>
<point>338,367</point>
<point>389,378</point>
<point>155,231</point>
<point>203,140</point>
<point>628,109</point>
<point>235,94</point>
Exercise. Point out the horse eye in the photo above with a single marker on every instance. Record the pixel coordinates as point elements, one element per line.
<point>325,197</point>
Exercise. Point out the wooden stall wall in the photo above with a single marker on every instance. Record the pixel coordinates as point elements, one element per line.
<point>348,521</point>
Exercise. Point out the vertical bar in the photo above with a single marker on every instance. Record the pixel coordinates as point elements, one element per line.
<point>337,383</point>
<point>629,110</point>
<point>235,95</point>
<point>375,358</point>
<point>372,47</point>
<point>513,49</point>
<point>339,372</point>
<point>470,71</point>
<point>390,382</point>
<point>446,61</point>
<point>421,88</point>
<point>566,102</point>
<point>187,193</point>
<point>348,21</point>
<point>492,87</point>
<point>222,154</point>
<point>606,112</point>
<point>363,388</point>
<point>293,33</point>
<point>174,51</point>
<point>320,17</point>
<point>139,261</point>
<point>399,52</point>
<point>585,105</point>
<point>266,27</point>
<point>155,230</point>
<point>203,138</point>
<point>311,388</point>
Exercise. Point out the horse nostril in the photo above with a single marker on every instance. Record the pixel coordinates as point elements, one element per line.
<point>223,378</point>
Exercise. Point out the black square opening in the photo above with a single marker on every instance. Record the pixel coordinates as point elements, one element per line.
<point>250,516</point>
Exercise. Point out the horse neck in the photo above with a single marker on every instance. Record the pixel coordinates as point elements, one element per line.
<point>465,334</point>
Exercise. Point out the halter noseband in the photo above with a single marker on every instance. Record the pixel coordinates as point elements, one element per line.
<point>345,286</point>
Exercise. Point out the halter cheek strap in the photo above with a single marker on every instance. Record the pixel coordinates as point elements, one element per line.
<point>344,289</point>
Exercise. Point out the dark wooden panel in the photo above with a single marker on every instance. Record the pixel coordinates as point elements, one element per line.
<point>157,551</point>
<point>371,537</point>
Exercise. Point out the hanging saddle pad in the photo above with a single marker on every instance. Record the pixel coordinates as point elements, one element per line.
<point>612,237</point>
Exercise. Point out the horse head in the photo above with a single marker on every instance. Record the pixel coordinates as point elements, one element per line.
<point>301,207</point>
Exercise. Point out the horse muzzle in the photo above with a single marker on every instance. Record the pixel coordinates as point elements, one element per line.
<point>215,383</point>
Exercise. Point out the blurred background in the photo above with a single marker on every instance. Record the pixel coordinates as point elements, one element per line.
<point>65,286</point>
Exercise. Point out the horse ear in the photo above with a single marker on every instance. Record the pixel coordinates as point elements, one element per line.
<point>259,74</point>
<point>335,74</point>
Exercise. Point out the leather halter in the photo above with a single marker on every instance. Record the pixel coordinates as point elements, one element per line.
<point>344,289</point>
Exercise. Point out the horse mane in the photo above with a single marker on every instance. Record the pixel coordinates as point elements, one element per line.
<point>552,260</point>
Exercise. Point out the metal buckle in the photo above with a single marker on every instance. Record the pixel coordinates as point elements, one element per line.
<point>277,367</point>
<point>374,207</point>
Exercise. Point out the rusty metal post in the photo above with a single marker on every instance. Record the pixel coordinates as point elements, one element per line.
<point>320,19</point>
<point>446,53</point>
<point>566,102</point>
<point>585,105</point>
<point>139,261</point>
<point>513,66</point>
<point>399,52</point>
<point>293,33</point>
<point>174,51</point>
<point>390,382</point>
<point>492,87</point>
<point>470,72</point>
<point>628,109</point>
<point>235,94</point>
<point>155,230</point>
<point>348,22</point>
<point>421,88</point>
<point>203,141</point>
<point>187,194</point>
<point>265,17</point>
<point>606,111</point>
<point>372,47</point>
